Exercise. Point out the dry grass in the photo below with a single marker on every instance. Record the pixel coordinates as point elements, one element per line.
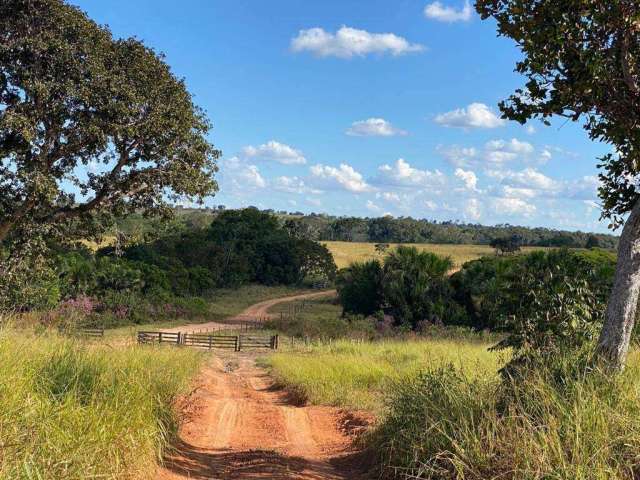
<point>345,253</point>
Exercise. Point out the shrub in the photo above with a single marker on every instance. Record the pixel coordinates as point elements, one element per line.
<point>360,288</point>
<point>416,288</point>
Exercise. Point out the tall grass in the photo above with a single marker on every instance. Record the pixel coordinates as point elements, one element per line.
<point>445,424</point>
<point>80,412</point>
<point>360,375</point>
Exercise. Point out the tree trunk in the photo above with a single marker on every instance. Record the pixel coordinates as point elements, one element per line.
<point>613,344</point>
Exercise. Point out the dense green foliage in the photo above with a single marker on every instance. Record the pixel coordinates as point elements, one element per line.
<point>360,288</point>
<point>71,95</point>
<point>411,286</point>
<point>169,276</point>
<point>554,296</point>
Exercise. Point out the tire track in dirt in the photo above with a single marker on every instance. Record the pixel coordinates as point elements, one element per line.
<point>238,426</point>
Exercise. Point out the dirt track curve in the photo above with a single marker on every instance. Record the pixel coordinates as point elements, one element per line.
<point>254,312</point>
<point>237,426</point>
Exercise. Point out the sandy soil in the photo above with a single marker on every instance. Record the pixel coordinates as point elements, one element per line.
<point>236,425</point>
<point>254,313</point>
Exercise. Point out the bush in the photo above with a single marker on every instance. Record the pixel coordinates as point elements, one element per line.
<point>416,288</point>
<point>360,288</point>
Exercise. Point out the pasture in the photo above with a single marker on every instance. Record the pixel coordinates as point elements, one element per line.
<point>345,253</point>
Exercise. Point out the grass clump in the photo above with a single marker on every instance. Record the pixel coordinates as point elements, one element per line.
<point>76,412</point>
<point>559,421</point>
<point>359,375</point>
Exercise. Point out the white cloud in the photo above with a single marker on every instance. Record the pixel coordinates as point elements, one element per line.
<point>458,156</point>
<point>476,115</point>
<point>349,42</point>
<point>529,178</point>
<point>316,202</point>
<point>243,176</point>
<point>430,205</point>
<point>472,209</point>
<point>502,151</point>
<point>442,13</point>
<point>531,129</point>
<point>585,188</point>
<point>402,174</point>
<point>468,177</point>
<point>373,207</point>
<point>374,127</point>
<point>275,151</point>
<point>545,156</point>
<point>344,177</point>
<point>289,184</point>
<point>389,197</point>
<point>513,207</point>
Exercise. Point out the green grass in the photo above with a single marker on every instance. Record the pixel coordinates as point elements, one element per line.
<point>222,304</point>
<point>574,425</point>
<point>75,411</point>
<point>345,253</point>
<point>359,375</point>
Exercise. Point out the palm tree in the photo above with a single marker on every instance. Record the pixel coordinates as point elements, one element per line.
<point>413,282</point>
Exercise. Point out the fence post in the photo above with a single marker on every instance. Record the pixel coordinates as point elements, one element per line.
<point>238,345</point>
<point>210,341</point>
<point>178,338</point>
<point>159,337</point>
<point>276,341</point>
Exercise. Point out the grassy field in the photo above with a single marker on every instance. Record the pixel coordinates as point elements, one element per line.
<point>73,411</point>
<point>345,253</point>
<point>359,375</point>
<point>444,412</point>
<point>224,303</point>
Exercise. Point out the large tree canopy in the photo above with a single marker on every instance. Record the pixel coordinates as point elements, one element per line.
<point>90,123</point>
<point>582,61</point>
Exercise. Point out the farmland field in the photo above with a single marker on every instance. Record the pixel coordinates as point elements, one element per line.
<point>345,253</point>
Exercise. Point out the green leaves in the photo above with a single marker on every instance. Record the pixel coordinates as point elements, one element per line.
<point>74,99</point>
<point>581,63</point>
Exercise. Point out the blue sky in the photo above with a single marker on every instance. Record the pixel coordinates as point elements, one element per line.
<point>366,108</point>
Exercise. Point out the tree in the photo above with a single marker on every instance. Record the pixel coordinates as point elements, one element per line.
<point>581,63</point>
<point>506,244</point>
<point>416,289</point>
<point>592,242</point>
<point>360,287</point>
<point>90,123</point>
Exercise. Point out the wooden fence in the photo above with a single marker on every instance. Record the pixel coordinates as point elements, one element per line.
<point>83,332</point>
<point>230,342</point>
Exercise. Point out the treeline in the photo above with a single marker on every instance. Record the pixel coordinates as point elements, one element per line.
<point>322,227</point>
<point>169,275</point>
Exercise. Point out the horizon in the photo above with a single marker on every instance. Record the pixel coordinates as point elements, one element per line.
<point>365,111</point>
<point>205,208</point>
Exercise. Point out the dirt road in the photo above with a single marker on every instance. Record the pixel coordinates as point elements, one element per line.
<point>253,313</point>
<point>238,426</point>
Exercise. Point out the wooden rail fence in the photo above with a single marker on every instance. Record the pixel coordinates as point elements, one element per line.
<point>210,341</point>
